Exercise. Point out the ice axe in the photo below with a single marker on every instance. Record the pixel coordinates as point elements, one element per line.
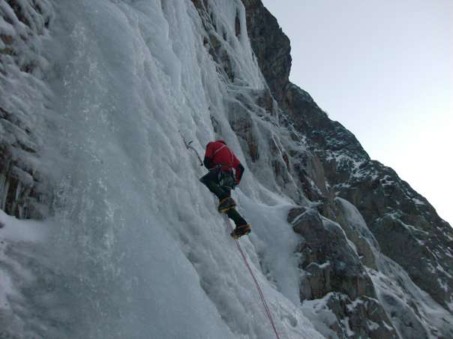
<point>188,145</point>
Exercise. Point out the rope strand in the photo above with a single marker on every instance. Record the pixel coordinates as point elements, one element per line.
<point>263,299</point>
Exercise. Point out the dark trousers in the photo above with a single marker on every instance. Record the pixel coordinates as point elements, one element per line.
<point>211,181</point>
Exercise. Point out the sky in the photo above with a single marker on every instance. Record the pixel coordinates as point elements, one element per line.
<point>384,70</point>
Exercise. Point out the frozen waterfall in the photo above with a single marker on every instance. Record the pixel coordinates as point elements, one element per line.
<point>136,248</point>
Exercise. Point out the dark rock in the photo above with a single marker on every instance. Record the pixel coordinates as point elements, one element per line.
<point>363,317</point>
<point>334,271</point>
<point>271,46</point>
<point>356,231</point>
<point>331,263</point>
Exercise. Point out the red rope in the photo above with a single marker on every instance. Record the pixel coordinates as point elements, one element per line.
<point>263,299</point>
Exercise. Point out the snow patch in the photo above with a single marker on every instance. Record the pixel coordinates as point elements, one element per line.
<point>22,230</point>
<point>12,233</point>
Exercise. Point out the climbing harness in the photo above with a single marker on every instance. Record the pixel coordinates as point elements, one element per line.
<point>260,291</point>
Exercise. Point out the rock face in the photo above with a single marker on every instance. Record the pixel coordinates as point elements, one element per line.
<point>22,191</point>
<point>271,46</point>
<point>334,272</point>
<point>400,223</point>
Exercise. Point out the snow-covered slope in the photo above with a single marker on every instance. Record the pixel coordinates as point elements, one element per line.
<point>130,244</point>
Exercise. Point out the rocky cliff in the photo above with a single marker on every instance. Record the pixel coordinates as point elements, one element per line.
<point>404,226</point>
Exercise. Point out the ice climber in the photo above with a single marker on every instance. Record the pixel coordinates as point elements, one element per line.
<point>225,173</point>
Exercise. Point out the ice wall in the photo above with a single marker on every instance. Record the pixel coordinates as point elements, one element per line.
<point>135,247</point>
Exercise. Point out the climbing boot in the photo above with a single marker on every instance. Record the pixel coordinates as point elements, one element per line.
<point>226,204</point>
<point>240,231</point>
